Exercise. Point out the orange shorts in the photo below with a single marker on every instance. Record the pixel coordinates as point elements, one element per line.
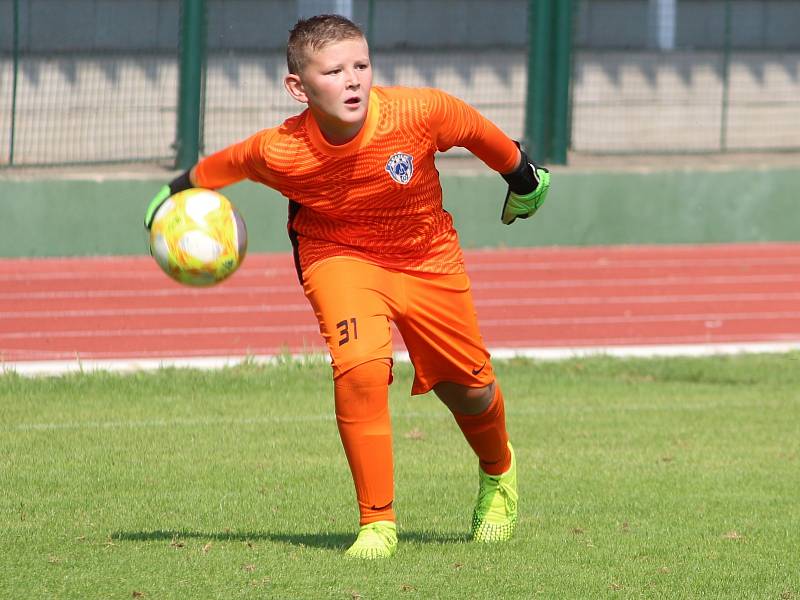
<point>355,302</point>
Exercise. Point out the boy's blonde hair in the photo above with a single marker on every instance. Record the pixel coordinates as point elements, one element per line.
<point>313,34</point>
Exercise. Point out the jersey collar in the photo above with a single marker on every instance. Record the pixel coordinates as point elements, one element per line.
<point>362,139</point>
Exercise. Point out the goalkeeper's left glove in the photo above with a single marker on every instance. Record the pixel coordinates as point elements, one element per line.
<point>180,183</point>
<point>527,190</point>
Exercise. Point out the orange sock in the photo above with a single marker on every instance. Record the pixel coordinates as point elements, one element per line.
<point>486,433</point>
<point>362,415</point>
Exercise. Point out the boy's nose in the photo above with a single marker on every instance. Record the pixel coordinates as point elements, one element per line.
<point>352,81</point>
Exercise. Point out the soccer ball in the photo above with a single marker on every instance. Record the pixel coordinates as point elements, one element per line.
<point>198,237</point>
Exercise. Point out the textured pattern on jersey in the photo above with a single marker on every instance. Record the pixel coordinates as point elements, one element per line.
<point>350,205</point>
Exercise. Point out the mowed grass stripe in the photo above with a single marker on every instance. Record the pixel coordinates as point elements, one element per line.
<point>640,477</point>
<point>277,420</point>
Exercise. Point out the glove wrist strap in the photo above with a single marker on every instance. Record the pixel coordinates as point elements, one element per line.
<point>522,180</point>
<point>180,183</point>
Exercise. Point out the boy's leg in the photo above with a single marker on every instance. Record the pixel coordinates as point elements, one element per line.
<point>362,415</point>
<point>442,335</point>
<point>441,332</point>
<point>495,516</point>
<point>480,413</point>
<point>352,302</point>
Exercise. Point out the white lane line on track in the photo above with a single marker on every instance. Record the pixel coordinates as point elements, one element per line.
<point>147,293</point>
<point>633,282</point>
<point>609,262</point>
<point>624,319</point>
<point>154,311</point>
<point>196,353</point>
<point>656,341</point>
<point>478,284</point>
<point>310,348</point>
<point>137,276</point>
<point>59,367</point>
<point>13,356</point>
<point>653,299</point>
<point>156,333</point>
<point>712,320</point>
<point>534,264</point>
<point>303,307</point>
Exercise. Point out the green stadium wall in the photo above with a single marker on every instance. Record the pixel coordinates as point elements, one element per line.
<point>64,217</point>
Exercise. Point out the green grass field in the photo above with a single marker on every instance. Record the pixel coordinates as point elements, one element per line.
<point>668,478</point>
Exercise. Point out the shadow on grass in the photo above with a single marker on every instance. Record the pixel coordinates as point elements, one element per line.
<point>313,540</point>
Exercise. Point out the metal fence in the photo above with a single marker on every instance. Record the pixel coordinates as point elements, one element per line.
<point>686,76</point>
<point>82,82</point>
<point>438,43</point>
<point>90,81</point>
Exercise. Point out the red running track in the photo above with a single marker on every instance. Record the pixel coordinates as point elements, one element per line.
<point>567,298</point>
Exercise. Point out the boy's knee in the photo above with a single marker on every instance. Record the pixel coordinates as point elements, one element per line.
<point>463,399</point>
<point>361,394</point>
<point>372,373</point>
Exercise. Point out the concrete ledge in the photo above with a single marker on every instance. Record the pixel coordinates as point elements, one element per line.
<point>82,217</point>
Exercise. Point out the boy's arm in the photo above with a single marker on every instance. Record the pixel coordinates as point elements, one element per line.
<point>228,166</point>
<point>456,123</point>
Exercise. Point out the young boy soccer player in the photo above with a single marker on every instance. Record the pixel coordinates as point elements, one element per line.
<point>372,244</point>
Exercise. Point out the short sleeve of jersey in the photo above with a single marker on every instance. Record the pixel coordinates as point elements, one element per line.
<point>455,123</point>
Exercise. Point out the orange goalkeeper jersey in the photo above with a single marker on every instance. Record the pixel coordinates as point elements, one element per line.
<point>378,196</point>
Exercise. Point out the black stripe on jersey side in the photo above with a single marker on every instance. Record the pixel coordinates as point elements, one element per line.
<point>294,208</point>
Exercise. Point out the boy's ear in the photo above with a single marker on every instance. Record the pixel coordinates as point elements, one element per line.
<point>294,86</point>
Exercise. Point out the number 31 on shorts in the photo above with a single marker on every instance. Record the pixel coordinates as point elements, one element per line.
<point>347,328</point>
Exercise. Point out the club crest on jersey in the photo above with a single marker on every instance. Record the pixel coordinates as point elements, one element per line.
<point>401,167</point>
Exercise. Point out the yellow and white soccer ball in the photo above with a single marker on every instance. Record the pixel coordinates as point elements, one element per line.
<point>198,237</point>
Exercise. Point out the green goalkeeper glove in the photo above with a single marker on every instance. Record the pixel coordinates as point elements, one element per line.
<point>180,183</point>
<point>155,204</point>
<point>525,205</point>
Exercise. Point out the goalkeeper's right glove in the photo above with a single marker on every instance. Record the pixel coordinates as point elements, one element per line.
<point>525,205</point>
<point>180,183</point>
<point>527,189</point>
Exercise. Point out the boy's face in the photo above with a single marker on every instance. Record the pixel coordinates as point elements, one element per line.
<point>335,83</point>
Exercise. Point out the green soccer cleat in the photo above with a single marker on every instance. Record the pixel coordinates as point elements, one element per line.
<point>495,514</point>
<point>375,540</point>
